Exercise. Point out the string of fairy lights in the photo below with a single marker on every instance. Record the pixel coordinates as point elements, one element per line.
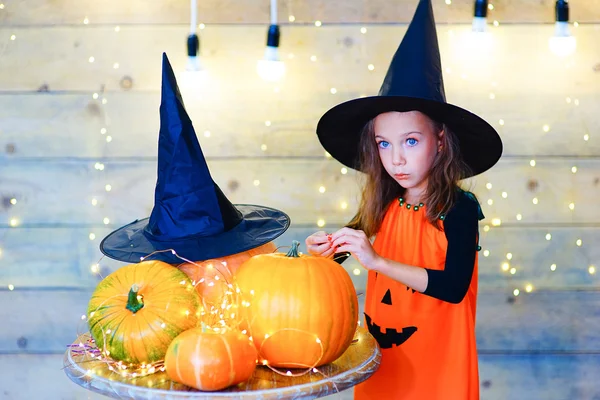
<point>272,70</point>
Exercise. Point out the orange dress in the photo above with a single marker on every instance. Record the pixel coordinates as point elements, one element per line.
<point>428,345</point>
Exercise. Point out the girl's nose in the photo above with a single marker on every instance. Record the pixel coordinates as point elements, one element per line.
<point>398,158</point>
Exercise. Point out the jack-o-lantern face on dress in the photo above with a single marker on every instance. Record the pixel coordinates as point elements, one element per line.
<point>391,337</point>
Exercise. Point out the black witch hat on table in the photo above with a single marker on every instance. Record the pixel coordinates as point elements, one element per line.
<point>191,215</point>
<point>413,83</point>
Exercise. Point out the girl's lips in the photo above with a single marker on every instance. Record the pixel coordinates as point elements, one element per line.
<point>401,176</point>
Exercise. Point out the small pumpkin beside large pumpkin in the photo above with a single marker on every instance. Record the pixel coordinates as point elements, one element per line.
<point>209,360</point>
<point>136,311</point>
<point>301,310</point>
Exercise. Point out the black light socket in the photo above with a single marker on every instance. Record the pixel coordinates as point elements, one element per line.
<point>562,11</point>
<point>193,45</point>
<point>481,8</point>
<point>273,36</point>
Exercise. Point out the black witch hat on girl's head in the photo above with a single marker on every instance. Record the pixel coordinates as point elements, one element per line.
<point>413,82</point>
<point>191,215</point>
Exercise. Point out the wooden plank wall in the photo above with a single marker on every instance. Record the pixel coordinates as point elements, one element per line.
<point>78,159</point>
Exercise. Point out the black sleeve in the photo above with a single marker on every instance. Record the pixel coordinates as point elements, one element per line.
<point>461,229</point>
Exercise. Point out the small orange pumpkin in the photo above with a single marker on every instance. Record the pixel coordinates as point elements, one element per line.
<point>211,276</point>
<point>301,311</point>
<point>136,311</point>
<point>209,360</point>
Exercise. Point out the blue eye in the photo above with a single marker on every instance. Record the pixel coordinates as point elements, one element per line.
<point>383,144</point>
<point>412,142</point>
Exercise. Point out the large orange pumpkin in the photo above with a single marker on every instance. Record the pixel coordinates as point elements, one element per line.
<point>302,311</point>
<point>211,276</point>
<point>136,311</point>
<point>209,360</point>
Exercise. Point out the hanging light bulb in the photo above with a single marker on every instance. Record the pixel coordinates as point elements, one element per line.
<point>475,46</point>
<point>271,68</point>
<point>480,16</point>
<point>562,43</point>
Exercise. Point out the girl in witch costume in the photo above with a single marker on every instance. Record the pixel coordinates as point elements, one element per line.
<point>414,148</point>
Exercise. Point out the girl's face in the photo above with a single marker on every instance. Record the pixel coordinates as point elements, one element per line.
<point>408,145</point>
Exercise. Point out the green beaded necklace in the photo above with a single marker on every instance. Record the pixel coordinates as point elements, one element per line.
<point>414,207</point>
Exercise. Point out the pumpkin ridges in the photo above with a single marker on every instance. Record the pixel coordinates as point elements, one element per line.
<point>230,357</point>
<point>158,334</point>
<point>197,365</point>
<point>339,283</point>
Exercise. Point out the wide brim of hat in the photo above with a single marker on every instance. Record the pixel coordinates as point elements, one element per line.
<point>339,129</point>
<point>259,226</point>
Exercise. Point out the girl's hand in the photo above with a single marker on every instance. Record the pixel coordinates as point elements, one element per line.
<point>319,244</point>
<point>356,243</point>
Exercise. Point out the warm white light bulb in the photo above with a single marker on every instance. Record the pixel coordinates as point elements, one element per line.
<point>562,44</point>
<point>271,68</point>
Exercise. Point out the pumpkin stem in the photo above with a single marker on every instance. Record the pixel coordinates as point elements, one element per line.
<point>134,302</point>
<point>294,250</point>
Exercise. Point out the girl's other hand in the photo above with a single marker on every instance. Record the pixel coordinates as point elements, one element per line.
<point>319,244</point>
<point>356,243</point>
